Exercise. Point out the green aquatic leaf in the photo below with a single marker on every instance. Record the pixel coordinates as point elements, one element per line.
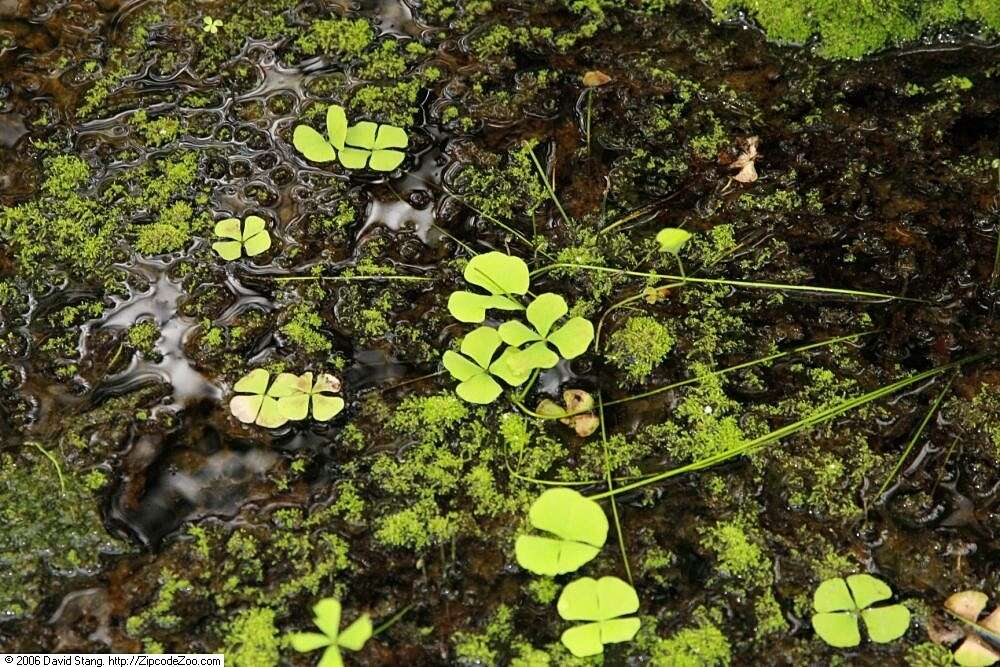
<point>327,618</point>
<point>571,339</point>
<point>475,370</point>
<point>839,603</point>
<point>578,524</point>
<point>672,239</point>
<point>258,398</point>
<point>369,144</point>
<point>336,126</point>
<point>315,394</point>
<point>502,276</point>
<point>250,238</point>
<point>312,144</point>
<point>603,601</point>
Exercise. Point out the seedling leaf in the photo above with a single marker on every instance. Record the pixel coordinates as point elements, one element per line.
<point>327,618</point>
<point>258,399</point>
<point>475,369</point>
<point>250,238</point>
<point>572,339</point>
<point>336,126</point>
<point>500,275</point>
<point>672,239</point>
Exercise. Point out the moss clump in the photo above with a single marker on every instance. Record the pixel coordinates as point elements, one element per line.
<point>170,232</point>
<point>157,132</point>
<point>302,329</point>
<point>336,36</point>
<point>638,347</point>
<point>502,184</point>
<point>856,28</point>
<point>142,337</point>
<point>929,654</point>
<point>47,530</point>
<point>702,645</point>
<point>252,639</point>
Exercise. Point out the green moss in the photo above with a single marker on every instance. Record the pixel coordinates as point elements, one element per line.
<point>251,639</point>
<point>337,36</point>
<point>483,648</point>
<point>544,590</point>
<point>48,530</point>
<point>499,184</point>
<point>429,418</point>
<point>701,645</point>
<point>737,550</point>
<point>143,336</point>
<point>638,347</point>
<point>171,231</point>
<point>158,132</point>
<point>302,329</point>
<point>855,28</point>
<point>928,654</point>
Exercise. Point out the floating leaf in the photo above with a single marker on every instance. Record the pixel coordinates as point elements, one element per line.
<point>312,144</point>
<point>974,651</point>
<point>372,145</point>
<point>251,238</point>
<point>580,530</point>
<point>571,339</point>
<point>672,239</point>
<point>499,274</point>
<point>603,601</point>
<point>476,376</point>
<point>576,413</point>
<point>258,398</point>
<point>839,603</point>
<point>327,619</point>
<point>314,394</point>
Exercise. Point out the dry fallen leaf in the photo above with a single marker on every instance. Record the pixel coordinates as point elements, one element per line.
<point>968,605</point>
<point>595,78</point>
<point>576,401</point>
<point>745,162</point>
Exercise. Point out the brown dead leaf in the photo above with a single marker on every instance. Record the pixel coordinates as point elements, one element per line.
<point>968,606</point>
<point>595,78</point>
<point>745,162</point>
<point>577,401</point>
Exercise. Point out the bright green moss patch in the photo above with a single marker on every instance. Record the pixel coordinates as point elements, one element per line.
<point>499,184</point>
<point>47,530</point>
<point>700,645</point>
<point>337,36</point>
<point>143,336</point>
<point>636,348</point>
<point>856,28</point>
<point>251,639</point>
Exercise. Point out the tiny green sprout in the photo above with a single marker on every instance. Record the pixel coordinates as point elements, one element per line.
<point>967,607</point>
<point>314,146</point>
<point>501,275</point>
<point>316,394</point>
<point>672,239</point>
<point>476,376</point>
<point>603,602</point>
<point>571,339</point>
<point>258,398</point>
<point>370,144</point>
<point>578,524</point>
<point>211,25</point>
<point>251,239</point>
<point>327,618</point>
<point>838,603</point>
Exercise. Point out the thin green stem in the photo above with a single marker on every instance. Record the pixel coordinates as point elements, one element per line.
<point>548,187</point>
<point>704,376</point>
<point>413,279</point>
<point>814,419</point>
<point>590,98</point>
<point>721,281</point>
<point>913,441</point>
<point>52,459</point>
<point>611,489</point>
<point>392,620</point>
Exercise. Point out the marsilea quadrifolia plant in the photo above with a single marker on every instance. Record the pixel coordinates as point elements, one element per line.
<point>364,144</point>
<point>288,397</point>
<point>549,338</point>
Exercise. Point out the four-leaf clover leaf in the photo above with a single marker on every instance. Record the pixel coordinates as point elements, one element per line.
<point>838,603</point>
<point>602,601</point>
<point>499,274</point>
<point>476,369</point>
<point>327,618</point>
<point>314,145</point>
<point>370,144</point>
<point>258,399</point>
<point>317,393</point>
<point>250,237</point>
<point>571,339</point>
<point>578,524</point>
